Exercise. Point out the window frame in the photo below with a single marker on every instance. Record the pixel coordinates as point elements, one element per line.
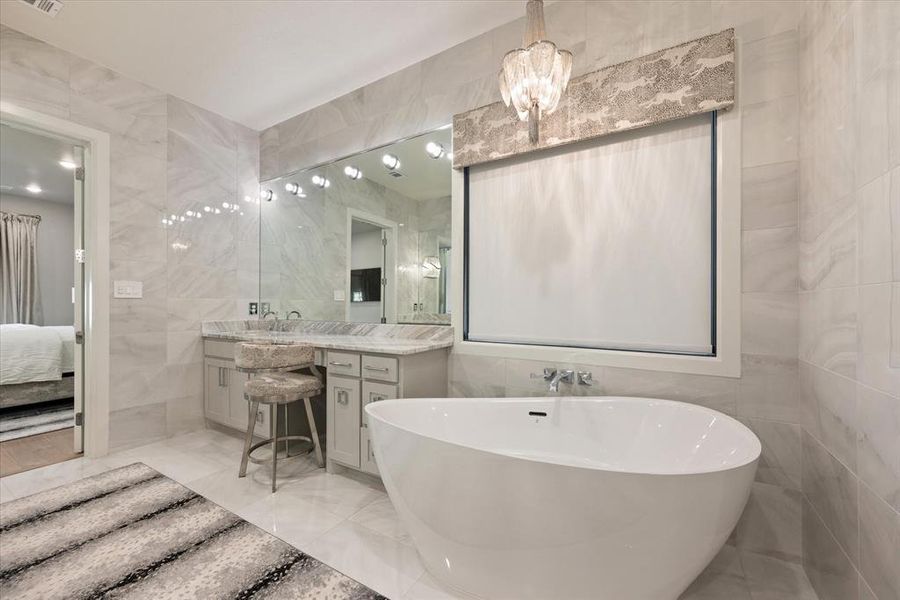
<point>725,326</point>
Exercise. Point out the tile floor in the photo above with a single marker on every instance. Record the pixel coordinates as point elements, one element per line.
<point>349,522</point>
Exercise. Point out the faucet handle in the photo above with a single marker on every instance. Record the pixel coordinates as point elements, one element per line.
<point>585,378</point>
<point>549,373</point>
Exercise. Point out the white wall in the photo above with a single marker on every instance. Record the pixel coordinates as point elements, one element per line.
<point>56,242</point>
<point>365,253</point>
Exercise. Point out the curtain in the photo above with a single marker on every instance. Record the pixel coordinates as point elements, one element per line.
<point>20,301</point>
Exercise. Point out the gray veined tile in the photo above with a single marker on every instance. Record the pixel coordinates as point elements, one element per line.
<point>769,260</point>
<point>770,523</point>
<point>832,491</point>
<point>770,68</point>
<point>874,244</point>
<point>769,323</point>
<point>770,132</point>
<point>894,202</point>
<point>829,411</point>
<point>779,463</point>
<point>767,388</point>
<point>879,545</point>
<point>828,329</point>
<point>35,75</point>
<point>872,141</point>
<point>200,126</point>
<point>830,571</point>
<point>830,258</point>
<point>773,579</point>
<point>769,196</point>
<point>876,328</point>
<point>878,443</point>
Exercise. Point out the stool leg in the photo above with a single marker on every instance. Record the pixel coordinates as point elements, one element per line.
<point>273,415</point>
<point>313,432</point>
<point>248,439</point>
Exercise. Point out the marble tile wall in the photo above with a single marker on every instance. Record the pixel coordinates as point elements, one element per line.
<point>303,249</point>
<point>167,157</point>
<point>849,269</point>
<point>427,94</point>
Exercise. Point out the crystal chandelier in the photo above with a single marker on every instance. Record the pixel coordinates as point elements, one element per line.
<point>534,78</point>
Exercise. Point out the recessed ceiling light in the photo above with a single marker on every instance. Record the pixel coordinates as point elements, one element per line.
<point>34,188</point>
<point>391,162</point>
<point>67,164</point>
<point>320,182</point>
<point>352,172</point>
<point>434,150</point>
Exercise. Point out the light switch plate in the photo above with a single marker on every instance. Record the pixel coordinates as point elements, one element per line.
<point>339,295</point>
<point>128,289</point>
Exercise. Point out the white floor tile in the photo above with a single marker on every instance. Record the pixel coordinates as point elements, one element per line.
<point>293,520</point>
<point>381,517</point>
<point>335,493</point>
<point>428,588</point>
<point>387,566</point>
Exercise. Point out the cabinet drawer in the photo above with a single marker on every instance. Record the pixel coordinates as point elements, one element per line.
<point>373,392</point>
<point>342,363</point>
<point>383,368</point>
<point>218,348</point>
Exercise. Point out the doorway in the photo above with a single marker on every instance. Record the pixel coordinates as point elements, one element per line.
<point>42,191</point>
<point>371,266</point>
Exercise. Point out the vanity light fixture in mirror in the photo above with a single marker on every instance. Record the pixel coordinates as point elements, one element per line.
<point>434,150</point>
<point>295,189</point>
<point>267,195</point>
<point>391,162</point>
<point>352,172</point>
<point>320,182</point>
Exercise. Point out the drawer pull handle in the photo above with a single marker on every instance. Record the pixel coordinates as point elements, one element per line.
<point>340,364</point>
<point>379,369</point>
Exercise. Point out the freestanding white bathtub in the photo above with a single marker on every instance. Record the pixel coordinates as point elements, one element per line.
<point>562,498</point>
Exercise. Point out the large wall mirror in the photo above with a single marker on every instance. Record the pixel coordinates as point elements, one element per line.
<point>364,239</point>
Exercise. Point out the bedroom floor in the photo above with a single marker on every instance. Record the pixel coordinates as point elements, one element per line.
<point>34,451</point>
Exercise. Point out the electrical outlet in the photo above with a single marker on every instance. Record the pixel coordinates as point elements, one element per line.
<point>254,309</point>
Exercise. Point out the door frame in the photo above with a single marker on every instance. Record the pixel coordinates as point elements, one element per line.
<point>95,392</point>
<point>390,309</point>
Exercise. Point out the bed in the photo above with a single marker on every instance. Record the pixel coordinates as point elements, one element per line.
<point>37,364</point>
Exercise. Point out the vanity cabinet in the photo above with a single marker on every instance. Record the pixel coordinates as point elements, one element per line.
<point>352,381</point>
<point>357,379</point>
<point>223,397</point>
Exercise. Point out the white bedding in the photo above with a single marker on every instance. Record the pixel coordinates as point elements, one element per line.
<point>30,353</point>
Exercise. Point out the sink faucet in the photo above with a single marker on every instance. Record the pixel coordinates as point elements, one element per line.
<point>270,312</point>
<point>294,312</point>
<point>554,376</point>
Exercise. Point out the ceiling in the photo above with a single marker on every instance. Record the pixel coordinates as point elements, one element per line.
<point>259,62</point>
<point>27,158</point>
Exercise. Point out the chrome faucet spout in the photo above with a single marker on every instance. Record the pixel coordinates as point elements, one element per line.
<point>294,312</point>
<point>270,312</point>
<point>564,375</point>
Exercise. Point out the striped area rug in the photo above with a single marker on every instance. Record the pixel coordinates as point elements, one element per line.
<point>21,422</point>
<point>134,533</point>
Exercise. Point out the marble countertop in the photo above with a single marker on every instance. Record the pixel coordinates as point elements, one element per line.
<point>353,343</point>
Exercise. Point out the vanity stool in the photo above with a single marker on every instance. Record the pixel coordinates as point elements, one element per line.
<point>272,383</point>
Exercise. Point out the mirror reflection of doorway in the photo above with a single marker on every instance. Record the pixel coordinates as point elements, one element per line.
<point>372,262</point>
<point>41,218</point>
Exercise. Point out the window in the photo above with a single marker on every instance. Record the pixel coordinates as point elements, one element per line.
<point>607,244</point>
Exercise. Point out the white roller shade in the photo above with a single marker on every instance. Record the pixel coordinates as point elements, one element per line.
<point>606,245</point>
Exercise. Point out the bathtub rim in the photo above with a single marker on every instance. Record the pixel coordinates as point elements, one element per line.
<point>756,449</point>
